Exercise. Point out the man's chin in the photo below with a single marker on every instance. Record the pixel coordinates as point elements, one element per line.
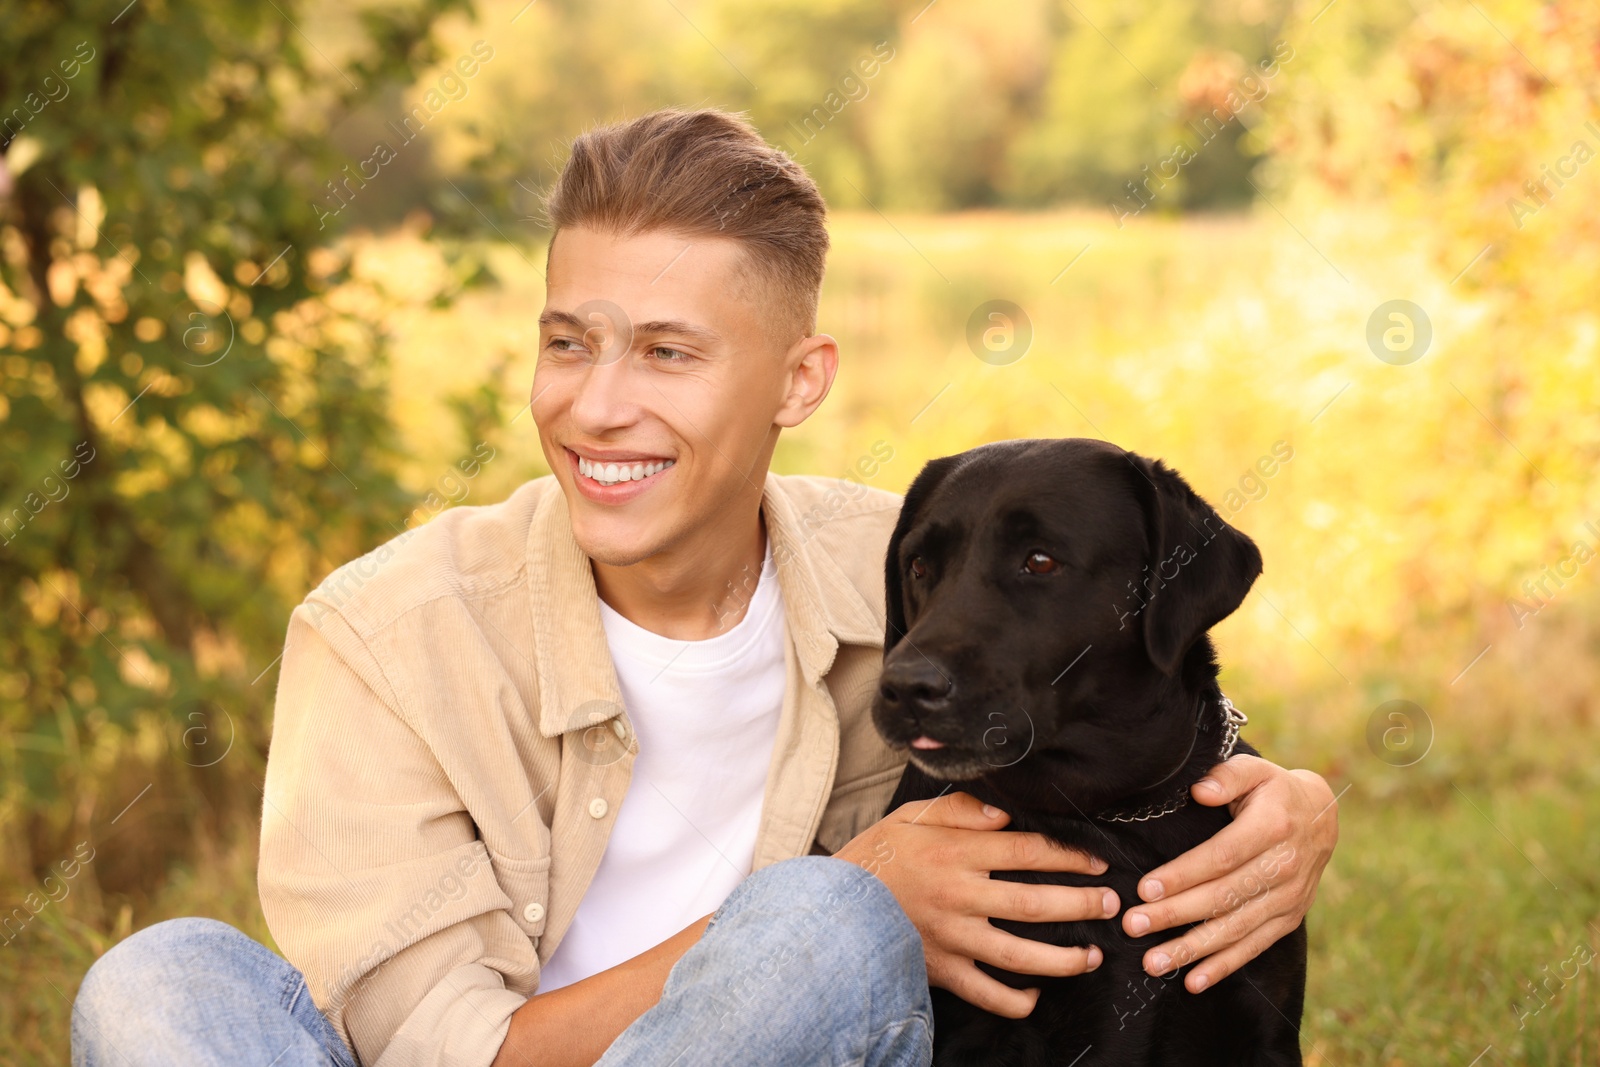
<point>614,551</point>
<point>612,541</point>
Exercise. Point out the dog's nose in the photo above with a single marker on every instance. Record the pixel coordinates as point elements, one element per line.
<point>913,683</point>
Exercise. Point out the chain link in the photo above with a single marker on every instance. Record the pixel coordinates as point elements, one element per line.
<point>1232,719</point>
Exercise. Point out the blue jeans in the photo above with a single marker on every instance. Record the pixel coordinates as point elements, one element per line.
<point>810,961</point>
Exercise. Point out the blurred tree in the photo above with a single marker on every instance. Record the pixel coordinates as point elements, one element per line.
<point>193,424</point>
<point>808,74</point>
<point>1124,89</point>
<point>906,104</point>
<point>1478,129</point>
<point>560,66</point>
<point>957,96</point>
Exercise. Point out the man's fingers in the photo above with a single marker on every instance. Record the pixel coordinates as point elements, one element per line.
<point>991,852</point>
<point>1027,852</point>
<point>964,979</point>
<point>1231,779</point>
<point>1254,839</point>
<point>1222,930</point>
<point>1219,965</point>
<point>1227,894</point>
<point>1024,902</point>
<point>958,810</point>
<point>1021,955</point>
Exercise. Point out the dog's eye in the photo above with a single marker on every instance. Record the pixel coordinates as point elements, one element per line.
<point>917,568</point>
<point>1039,563</point>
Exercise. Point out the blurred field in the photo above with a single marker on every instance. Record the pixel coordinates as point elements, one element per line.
<point>1393,538</point>
<point>1206,342</point>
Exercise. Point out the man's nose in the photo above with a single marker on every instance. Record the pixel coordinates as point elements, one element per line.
<point>604,398</point>
<point>915,684</point>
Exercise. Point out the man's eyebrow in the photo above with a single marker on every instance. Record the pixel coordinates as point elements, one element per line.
<point>678,328</point>
<point>653,328</point>
<point>560,318</point>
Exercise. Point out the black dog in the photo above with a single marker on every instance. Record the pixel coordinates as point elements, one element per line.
<point>1046,649</point>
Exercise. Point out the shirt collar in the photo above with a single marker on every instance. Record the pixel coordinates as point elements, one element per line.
<point>577,682</point>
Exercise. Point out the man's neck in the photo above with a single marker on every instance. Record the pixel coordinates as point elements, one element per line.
<point>697,590</point>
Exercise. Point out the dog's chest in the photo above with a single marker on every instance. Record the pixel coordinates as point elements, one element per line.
<point>1117,1005</point>
<point>1129,856</point>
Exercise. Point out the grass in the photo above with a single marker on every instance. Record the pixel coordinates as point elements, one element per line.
<point>1431,919</point>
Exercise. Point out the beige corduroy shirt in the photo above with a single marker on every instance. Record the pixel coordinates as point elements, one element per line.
<point>450,750</point>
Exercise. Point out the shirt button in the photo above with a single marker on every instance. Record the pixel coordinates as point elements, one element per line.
<point>533,912</point>
<point>620,730</point>
<point>598,808</point>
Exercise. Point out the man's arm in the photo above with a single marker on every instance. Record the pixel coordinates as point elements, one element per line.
<point>372,877</point>
<point>1251,883</point>
<point>574,1025</point>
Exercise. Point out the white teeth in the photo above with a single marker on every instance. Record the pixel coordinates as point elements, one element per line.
<point>613,473</point>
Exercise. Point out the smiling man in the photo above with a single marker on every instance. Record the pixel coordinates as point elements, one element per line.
<point>589,775</point>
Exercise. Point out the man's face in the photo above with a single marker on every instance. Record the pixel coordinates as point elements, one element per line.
<point>657,388</point>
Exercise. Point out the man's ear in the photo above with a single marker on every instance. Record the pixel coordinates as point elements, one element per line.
<point>893,574</point>
<point>813,361</point>
<point>1202,567</point>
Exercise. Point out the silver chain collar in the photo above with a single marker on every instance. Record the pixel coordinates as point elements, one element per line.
<point>1232,719</point>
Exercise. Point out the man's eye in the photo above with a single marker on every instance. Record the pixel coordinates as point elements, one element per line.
<point>1039,563</point>
<point>669,355</point>
<point>566,344</point>
<point>917,568</point>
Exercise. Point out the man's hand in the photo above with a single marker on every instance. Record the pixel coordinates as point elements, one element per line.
<point>1251,883</point>
<point>936,855</point>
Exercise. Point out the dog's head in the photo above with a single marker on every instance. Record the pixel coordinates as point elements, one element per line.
<point>1046,601</point>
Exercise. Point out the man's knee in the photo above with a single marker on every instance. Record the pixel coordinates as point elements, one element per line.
<point>843,913</point>
<point>149,954</point>
<point>196,991</point>
<point>826,939</point>
<point>132,985</point>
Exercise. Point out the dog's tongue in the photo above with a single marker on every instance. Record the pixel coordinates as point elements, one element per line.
<point>926,742</point>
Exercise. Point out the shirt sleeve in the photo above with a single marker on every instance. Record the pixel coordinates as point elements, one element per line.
<point>372,878</point>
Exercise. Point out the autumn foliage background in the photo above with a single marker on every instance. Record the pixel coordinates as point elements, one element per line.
<point>269,277</point>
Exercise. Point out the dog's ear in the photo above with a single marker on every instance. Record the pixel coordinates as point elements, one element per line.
<point>893,580</point>
<point>1200,568</point>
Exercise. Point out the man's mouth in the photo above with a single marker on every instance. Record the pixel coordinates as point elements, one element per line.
<point>614,473</point>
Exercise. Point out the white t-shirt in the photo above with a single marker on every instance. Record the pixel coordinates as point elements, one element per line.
<point>706,715</point>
